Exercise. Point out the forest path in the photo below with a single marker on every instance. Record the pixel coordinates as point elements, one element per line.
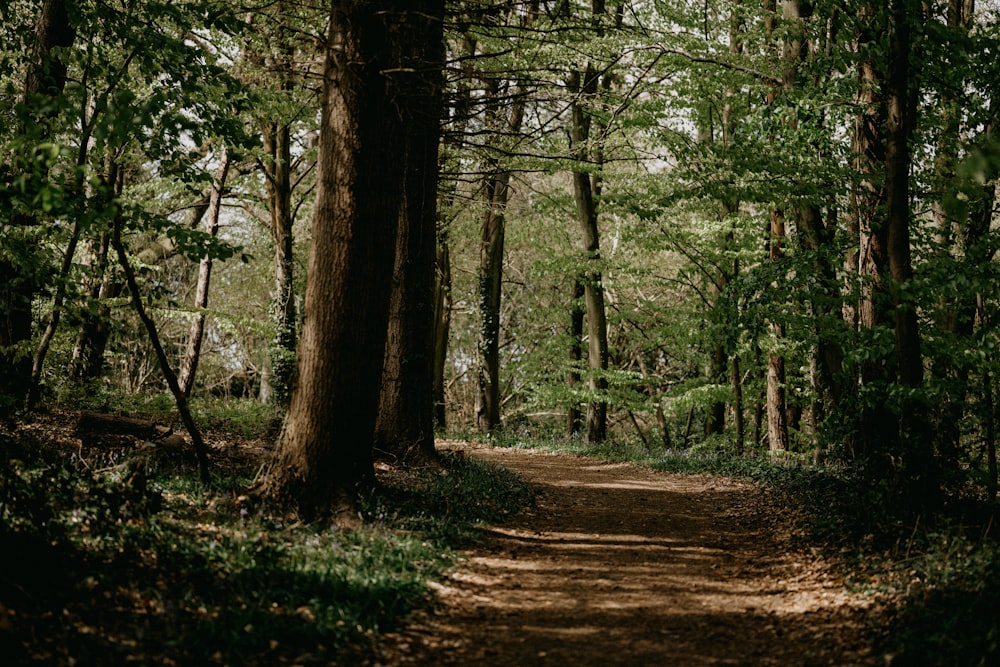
<point>621,565</point>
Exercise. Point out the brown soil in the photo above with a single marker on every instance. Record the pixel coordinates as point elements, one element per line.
<point>620,565</point>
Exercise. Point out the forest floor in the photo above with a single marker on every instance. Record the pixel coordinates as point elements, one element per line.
<point>621,565</point>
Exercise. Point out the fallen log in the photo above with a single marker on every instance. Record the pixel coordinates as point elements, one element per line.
<point>99,423</point>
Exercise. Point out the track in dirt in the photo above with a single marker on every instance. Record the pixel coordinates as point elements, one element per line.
<point>620,565</point>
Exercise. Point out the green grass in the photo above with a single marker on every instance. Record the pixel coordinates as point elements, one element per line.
<point>104,569</point>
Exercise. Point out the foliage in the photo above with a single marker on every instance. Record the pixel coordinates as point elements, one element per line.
<point>448,503</point>
<point>948,616</point>
<point>117,567</point>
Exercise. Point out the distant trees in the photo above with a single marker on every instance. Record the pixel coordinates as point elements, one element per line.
<point>769,225</point>
<point>834,129</point>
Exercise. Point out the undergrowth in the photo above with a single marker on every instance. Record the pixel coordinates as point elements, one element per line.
<point>114,568</point>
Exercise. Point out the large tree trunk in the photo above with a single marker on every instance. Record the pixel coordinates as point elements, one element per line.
<point>901,116</point>
<point>192,352</point>
<point>405,425</point>
<point>875,423</point>
<point>324,457</point>
<point>584,85</point>
<point>506,126</point>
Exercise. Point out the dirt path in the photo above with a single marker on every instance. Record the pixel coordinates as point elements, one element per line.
<point>619,565</point>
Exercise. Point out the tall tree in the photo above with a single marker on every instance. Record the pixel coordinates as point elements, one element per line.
<point>405,425</point>
<point>371,83</point>
<point>505,108</point>
<point>584,84</point>
<point>287,41</point>
<point>867,207</point>
<point>777,407</point>
<point>19,282</point>
<point>192,351</point>
<point>901,103</point>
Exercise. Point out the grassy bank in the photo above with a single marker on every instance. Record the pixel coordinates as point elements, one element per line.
<point>109,557</point>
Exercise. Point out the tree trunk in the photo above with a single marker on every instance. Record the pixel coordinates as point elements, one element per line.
<point>777,409</point>
<point>95,329</point>
<point>405,424</point>
<point>442,328</point>
<point>597,325</point>
<point>584,85</point>
<point>161,356</point>
<point>816,237</point>
<point>192,353</point>
<point>574,419</point>
<point>715,417</point>
<point>461,105</point>
<point>278,178</point>
<point>739,419</point>
<point>964,238</point>
<point>901,114</point>
<point>990,435</point>
<point>491,248</point>
<point>324,457</point>
<point>44,81</point>
<point>34,386</point>
<point>874,424</point>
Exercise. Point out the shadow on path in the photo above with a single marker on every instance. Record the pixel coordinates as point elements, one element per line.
<point>619,565</point>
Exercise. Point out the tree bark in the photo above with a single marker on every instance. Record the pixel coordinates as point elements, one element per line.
<point>405,425</point>
<point>95,329</point>
<point>816,237</point>
<point>278,178</point>
<point>868,206</point>
<point>442,328</point>
<point>324,456</point>
<point>777,409</point>
<point>491,248</point>
<point>584,85</point>
<point>739,420</point>
<point>461,105</point>
<point>577,312</point>
<point>491,245</point>
<point>962,238</point>
<point>900,118</point>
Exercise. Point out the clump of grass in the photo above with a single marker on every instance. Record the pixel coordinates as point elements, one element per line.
<point>449,503</point>
<point>946,614</point>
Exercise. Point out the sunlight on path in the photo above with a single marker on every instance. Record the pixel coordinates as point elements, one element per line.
<point>619,565</point>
